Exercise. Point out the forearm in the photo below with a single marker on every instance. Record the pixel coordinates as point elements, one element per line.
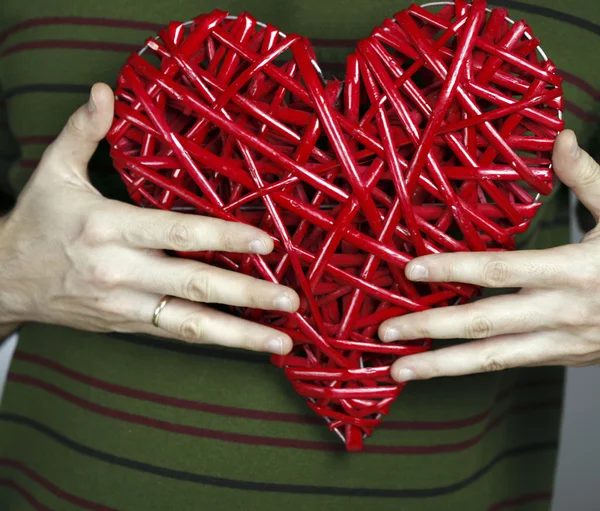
<point>7,324</point>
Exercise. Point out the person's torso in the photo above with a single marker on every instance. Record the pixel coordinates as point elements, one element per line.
<point>136,423</point>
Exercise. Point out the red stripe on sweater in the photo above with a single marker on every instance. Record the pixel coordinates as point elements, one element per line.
<point>241,438</point>
<point>25,494</point>
<point>52,488</point>
<point>579,112</point>
<point>519,501</point>
<point>580,83</point>
<point>36,139</point>
<point>57,44</point>
<point>245,413</point>
<point>131,25</point>
<point>155,27</point>
<point>81,21</point>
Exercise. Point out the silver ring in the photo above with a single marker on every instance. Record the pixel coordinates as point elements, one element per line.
<point>164,301</point>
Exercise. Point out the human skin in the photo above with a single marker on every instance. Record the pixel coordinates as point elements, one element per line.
<point>552,320</point>
<point>69,256</point>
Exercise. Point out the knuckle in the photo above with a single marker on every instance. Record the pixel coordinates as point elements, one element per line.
<point>181,237</point>
<point>112,308</point>
<point>578,364</point>
<point>589,172</point>
<point>435,371</point>
<point>249,343</point>
<point>256,295</point>
<point>441,267</point>
<point>495,273</point>
<point>76,125</point>
<point>479,327</point>
<point>101,274</point>
<point>582,353</point>
<point>493,363</point>
<point>420,332</point>
<point>583,361</point>
<point>589,280</point>
<point>96,230</point>
<point>192,328</point>
<point>228,240</point>
<point>579,315</point>
<point>581,350</point>
<point>198,287</point>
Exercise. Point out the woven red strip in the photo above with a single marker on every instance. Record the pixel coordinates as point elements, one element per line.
<point>439,140</point>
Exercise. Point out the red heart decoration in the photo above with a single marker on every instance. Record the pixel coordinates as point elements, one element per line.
<point>439,141</point>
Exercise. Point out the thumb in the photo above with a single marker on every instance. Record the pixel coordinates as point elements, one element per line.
<point>578,170</point>
<point>86,127</point>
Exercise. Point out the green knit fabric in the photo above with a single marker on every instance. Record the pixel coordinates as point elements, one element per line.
<point>132,423</point>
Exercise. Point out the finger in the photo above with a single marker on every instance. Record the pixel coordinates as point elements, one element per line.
<point>578,170</point>
<point>525,268</point>
<point>86,127</point>
<point>167,230</point>
<point>196,323</point>
<point>200,282</point>
<point>133,311</point>
<point>494,354</point>
<point>507,314</point>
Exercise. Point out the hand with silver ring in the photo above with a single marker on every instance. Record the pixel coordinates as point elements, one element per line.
<point>69,256</point>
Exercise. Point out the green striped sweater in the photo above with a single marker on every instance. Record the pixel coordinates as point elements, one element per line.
<point>106,422</point>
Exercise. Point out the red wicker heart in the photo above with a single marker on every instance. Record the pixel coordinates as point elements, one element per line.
<point>439,141</point>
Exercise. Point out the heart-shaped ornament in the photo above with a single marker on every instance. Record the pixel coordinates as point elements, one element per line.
<point>439,140</point>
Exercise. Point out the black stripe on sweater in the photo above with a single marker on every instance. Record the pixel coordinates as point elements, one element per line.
<point>236,484</point>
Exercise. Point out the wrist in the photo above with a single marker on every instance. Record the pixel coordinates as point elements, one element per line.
<point>8,324</point>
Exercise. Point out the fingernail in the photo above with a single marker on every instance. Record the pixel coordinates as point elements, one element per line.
<point>283,303</point>
<point>258,247</point>
<point>403,375</point>
<point>574,152</point>
<point>391,334</point>
<point>91,104</point>
<point>275,346</point>
<point>417,272</point>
